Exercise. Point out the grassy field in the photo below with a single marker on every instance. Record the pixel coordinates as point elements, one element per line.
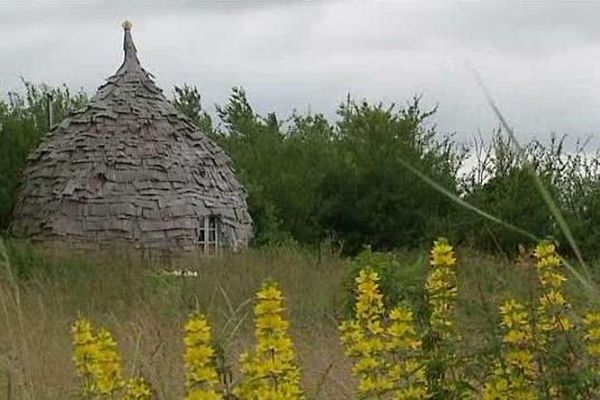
<point>41,294</point>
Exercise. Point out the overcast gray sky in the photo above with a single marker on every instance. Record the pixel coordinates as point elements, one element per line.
<point>539,59</point>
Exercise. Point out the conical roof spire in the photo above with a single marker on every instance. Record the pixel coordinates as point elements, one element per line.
<point>130,60</point>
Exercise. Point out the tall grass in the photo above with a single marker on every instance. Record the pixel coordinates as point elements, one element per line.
<point>17,357</point>
<point>146,311</point>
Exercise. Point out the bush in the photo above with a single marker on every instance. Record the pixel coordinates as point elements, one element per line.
<point>375,200</point>
<point>503,184</point>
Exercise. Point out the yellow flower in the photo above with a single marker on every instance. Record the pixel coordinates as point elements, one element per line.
<point>592,318</point>
<point>521,359</point>
<point>513,314</point>
<point>552,279</point>
<point>591,340</point>
<point>552,297</point>
<point>545,250</point>
<point>270,372</point>
<point>498,389</point>
<point>406,370</point>
<point>137,389</point>
<point>200,374</point>
<point>516,337</point>
<point>401,332</point>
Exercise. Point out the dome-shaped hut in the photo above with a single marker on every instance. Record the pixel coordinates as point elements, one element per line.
<point>130,167</point>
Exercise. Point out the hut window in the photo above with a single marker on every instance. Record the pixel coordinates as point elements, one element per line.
<point>208,238</point>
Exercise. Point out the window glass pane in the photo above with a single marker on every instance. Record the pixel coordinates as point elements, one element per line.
<point>212,222</point>
<point>211,235</point>
<point>201,235</point>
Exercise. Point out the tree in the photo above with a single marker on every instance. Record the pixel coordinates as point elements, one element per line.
<point>373,198</point>
<point>188,101</point>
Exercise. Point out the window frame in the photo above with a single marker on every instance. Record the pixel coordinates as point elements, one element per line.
<point>207,235</point>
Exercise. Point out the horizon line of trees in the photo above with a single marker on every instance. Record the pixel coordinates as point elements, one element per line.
<point>345,183</point>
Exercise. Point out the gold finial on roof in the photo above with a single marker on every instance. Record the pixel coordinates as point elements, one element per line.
<point>127,24</point>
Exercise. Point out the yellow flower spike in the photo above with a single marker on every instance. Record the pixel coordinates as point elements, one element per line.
<point>270,371</point>
<point>404,346</point>
<point>441,287</point>
<point>401,332</point>
<point>84,354</point>
<point>200,374</point>
<point>524,365</point>
<point>592,318</point>
<point>365,338</point>
<point>544,249</point>
<point>591,339</point>
<point>108,364</point>
<point>515,377</point>
<point>514,315</point>
<point>96,359</point>
<point>552,305</point>
<point>384,351</point>
<point>369,303</point>
<point>591,323</point>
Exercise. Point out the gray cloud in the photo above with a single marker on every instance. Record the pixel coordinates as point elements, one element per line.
<point>539,59</point>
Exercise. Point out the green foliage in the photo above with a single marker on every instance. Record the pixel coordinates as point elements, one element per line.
<point>283,169</point>
<point>310,180</point>
<point>373,199</point>
<point>578,186</point>
<point>507,191</point>
<point>502,183</point>
<point>188,101</point>
<point>256,146</point>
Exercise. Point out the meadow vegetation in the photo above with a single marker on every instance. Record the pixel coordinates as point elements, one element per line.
<point>146,311</point>
<point>148,314</point>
